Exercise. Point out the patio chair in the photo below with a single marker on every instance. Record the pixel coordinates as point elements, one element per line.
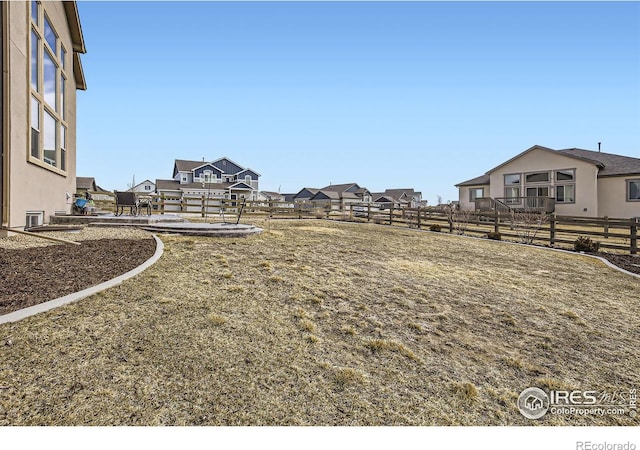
<point>126,200</point>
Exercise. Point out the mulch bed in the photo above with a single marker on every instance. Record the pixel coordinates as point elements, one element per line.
<point>34,275</point>
<point>629,263</point>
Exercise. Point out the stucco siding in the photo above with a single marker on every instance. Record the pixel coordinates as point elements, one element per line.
<point>538,160</point>
<point>465,203</point>
<point>32,187</point>
<point>613,198</point>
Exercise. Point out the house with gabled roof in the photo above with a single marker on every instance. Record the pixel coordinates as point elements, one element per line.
<point>146,187</point>
<point>573,182</point>
<point>345,193</point>
<point>221,178</point>
<point>305,194</point>
<point>398,198</point>
<point>40,47</point>
<point>88,184</point>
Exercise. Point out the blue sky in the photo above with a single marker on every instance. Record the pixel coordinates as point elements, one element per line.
<point>385,94</point>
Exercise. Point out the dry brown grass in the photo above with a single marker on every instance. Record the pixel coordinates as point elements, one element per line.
<point>321,323</point>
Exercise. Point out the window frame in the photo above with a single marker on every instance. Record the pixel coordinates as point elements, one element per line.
<point>473,198</point>
<point>512,199</point>
<point>537,172</point>
<point>36,91</point>
<point>627,183</point>
<point>518,183</point>
<point>572,180</point>
<point>564,186</point>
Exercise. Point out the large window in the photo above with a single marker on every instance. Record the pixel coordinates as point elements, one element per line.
<point>512,194</point>
<point>566,193</point>
<point>475,193</point>
<point>565,175</point>
<point>48,90</point>
<point>512,179</point>
<point>633,190</point>
<point>537,177</point>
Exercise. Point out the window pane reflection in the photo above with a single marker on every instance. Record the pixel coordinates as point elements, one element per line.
<point>49,80</point>
<point>49,139</point>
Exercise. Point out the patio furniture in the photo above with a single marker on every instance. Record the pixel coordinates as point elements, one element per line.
<point>126,200</point>
<point>144,204</point>
<point>79,205</point>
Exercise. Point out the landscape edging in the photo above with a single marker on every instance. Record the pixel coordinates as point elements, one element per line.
<point>51,304</point>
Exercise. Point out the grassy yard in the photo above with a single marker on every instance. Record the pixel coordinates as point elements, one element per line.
<point>324,323</point>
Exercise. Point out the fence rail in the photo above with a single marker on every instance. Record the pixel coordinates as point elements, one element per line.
<point>619,234</point>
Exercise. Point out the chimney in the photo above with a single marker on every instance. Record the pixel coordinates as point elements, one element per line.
<point>599,143</point>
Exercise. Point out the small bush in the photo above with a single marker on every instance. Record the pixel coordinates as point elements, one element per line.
<point>496,236</point>
<point>585,244</point>
<point>435,227</point>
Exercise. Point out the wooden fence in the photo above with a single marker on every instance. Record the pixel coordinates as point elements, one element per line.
<point>619,234</point>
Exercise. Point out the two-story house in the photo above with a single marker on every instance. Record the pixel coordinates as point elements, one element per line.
<point>221,178</point>
<point>40,47</point>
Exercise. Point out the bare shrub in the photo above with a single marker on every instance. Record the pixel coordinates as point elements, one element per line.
<point>527,224</point>
<point>458,219</point>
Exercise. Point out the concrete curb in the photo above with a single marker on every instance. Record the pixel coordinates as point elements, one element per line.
<point>42,307</point>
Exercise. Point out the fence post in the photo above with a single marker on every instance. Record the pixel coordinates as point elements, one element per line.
<point>391,214</point>
<point>606,227</point>
<point>552,230</point>
<point>162,203</point>
<point>634,235</point>
<point>418,217</point>
<point>496,222</point>
<point>368,212</point>
<point>202,209</point>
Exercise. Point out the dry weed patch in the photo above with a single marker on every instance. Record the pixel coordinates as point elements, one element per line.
<point>321,323</point>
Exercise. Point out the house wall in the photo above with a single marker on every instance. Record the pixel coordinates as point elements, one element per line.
<point>227,166</point>
<point>612,200</point>
<point>179,175</point>
<point>142,187</point>
<point>463,191</point>
<point>197,173</point>
<point>32,187</point>
<point>586,190</point>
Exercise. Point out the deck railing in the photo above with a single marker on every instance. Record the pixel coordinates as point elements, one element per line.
<point>505,204</point>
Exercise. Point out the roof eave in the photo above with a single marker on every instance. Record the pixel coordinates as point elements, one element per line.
<point>78,73</point>
<point>75,29</point>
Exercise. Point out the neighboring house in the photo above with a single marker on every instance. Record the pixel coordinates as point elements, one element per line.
<point>40,46</point>
<point>573,182</point>
<point>363,194</point>
<point>271,196</point>
<point>146,187</point>
<point>221,178</point>
<point>398,198</point>
<point>305,194</point>
<point>84,184</point>
<point>334,193</point>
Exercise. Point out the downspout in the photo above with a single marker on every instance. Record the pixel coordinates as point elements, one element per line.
<point>5,122</point>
